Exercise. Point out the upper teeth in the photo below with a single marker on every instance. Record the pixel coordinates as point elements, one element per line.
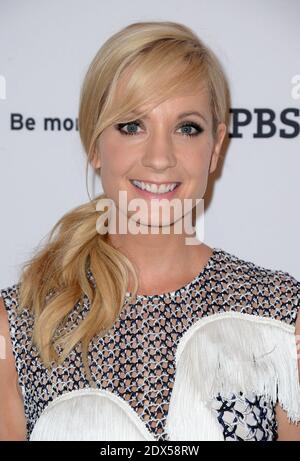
<point>161,189</point>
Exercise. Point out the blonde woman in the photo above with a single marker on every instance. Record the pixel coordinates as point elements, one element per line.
<point>148,335</point>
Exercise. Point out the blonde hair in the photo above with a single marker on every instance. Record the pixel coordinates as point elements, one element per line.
<point>55,278</point>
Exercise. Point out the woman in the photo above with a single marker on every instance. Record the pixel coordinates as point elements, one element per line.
<point>139,335</point>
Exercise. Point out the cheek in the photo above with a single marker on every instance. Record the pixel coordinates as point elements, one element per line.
<point>116,161</point>
<point>197,161</point>
<point>197,169</point>
<point>115,158</point>
<point>200,181</point>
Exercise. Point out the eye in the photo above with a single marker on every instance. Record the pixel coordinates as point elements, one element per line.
<point>131,126</point>
<point>187,125</point>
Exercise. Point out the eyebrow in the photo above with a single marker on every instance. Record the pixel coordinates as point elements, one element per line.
<point>182,115</point>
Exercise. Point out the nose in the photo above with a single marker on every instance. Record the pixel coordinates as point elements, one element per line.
<point>159,151</point>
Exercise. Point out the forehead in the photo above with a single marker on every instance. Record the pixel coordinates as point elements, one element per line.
<point>190,100</point>
<point>138,75</point>
<point>179,107</point>
<point>185,102</point>
<point>146,94</point>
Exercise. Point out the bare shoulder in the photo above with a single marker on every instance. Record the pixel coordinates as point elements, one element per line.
<point>12,418</point>
<point>287,430</point>
<point>7,362</point>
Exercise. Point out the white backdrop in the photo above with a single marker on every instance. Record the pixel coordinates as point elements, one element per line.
<point>45,49</point>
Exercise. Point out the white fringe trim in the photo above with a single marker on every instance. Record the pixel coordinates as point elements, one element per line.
<point>230,353</point>
<point>90,414</point>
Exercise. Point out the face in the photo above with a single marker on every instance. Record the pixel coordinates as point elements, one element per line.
<point>163,147</point>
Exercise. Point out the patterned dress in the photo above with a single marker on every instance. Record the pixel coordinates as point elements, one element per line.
<point>208,361</point>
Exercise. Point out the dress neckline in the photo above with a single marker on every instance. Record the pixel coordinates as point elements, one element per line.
<point>169,294</point>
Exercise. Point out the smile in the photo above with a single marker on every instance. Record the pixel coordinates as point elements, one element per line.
<point>153,188</point>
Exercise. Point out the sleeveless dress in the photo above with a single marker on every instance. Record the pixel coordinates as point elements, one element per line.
<point>208,361</point>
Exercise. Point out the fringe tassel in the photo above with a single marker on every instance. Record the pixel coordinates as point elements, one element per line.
<point>89,414</point>
<point>230,353</point>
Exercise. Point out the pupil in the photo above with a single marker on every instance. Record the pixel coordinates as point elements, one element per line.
<point>131,125</point>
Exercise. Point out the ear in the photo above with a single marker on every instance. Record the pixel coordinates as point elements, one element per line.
<point>221,131</point>
<point>95,160</point>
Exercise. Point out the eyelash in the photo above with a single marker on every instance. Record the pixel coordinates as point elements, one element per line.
<point>199,129</point>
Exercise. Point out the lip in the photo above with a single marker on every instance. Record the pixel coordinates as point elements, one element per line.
<point>155,182</point>
<point>150,195</point>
